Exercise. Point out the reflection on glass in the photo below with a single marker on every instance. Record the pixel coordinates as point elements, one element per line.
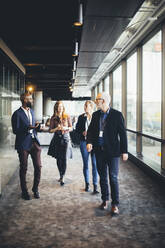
<point>131,142</point>
<point>117,84</point>
<point>9,100</point>
<point>151,149</point>
<point>131,91</point>
<point>152,65</point>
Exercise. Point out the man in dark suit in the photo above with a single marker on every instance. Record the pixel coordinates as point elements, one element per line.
<point>107,136</point>
<point>23,125</point>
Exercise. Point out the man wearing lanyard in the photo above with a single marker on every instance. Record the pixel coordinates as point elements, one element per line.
<point>23,125</point>
<point>107,136</point>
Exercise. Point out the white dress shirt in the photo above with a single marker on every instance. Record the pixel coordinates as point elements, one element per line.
<point>29,116</point>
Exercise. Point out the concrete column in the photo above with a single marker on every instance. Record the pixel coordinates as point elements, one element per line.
<point>163,103</point>
<point>0,181</point>
<point>139,101</point>
<point>111,87</point>
<point>124,89</point>
<point>48,110</point>
<point>38,106</point>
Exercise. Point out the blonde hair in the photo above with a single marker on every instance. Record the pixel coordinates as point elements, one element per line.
<point>91,103</point>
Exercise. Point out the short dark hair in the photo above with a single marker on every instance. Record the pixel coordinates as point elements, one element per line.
<point>23,95</point>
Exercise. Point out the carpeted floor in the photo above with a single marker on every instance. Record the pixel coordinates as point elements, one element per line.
<point>68,217</point>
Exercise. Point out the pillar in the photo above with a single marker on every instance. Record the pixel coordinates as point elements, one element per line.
<point>48,109</point>
<point>38,106</point>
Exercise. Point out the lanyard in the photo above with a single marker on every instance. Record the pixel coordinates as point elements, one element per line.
<point>103,118</point>
<point>103,121</point>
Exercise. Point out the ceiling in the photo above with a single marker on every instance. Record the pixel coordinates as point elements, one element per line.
<point>42,36</point>
<point>104,21</point>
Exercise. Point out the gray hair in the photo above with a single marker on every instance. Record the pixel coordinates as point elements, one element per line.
<point>106,96</point>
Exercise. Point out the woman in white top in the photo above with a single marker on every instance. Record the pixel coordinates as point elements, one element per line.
<point>81,128</point>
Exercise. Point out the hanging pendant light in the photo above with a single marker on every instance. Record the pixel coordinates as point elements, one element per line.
<point>79,21</point>
<point>73,75</point>
<point>74,65</point>
<point>76,50</point>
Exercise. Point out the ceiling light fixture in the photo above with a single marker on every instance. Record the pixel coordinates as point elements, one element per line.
<point>30,88</point>
<point>74,75</point>
<point>79,21</point>
<point>74,65</point>
<point>75,54</point>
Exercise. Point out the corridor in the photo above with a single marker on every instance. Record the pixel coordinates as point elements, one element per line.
<point>68,217</point>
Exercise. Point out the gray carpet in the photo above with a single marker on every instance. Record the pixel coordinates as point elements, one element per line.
<point>68,217</point>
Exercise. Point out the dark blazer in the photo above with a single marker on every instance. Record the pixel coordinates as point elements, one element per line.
<point>80,126</point>
<point>20,126</point>
<point>115,138</point>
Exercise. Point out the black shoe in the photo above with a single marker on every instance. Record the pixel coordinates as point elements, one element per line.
<point>87,187</point>
<point>95,190</point>
<point>104,205</point>
<point>36,195</point>
<point>62,183</point>
<point>25,196</point>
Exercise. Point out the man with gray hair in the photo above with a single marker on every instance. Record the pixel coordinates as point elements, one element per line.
<point>107,137</point>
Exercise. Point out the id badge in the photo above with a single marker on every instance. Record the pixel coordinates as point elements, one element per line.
<point>101,134</point>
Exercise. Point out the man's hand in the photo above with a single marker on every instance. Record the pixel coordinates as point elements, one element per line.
<point>33,127</point>
<point>124,156</point>
<point>89,147</point>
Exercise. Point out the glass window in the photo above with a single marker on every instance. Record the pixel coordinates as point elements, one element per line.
<point>6,82</point>
<point>95,92</point>
<point>97,88</point>
<point>3,86</point>
<point>18,83</point>
<point>10,80</point>
<point>131,91</point>
<point>100,87</point>
<point>117,84</point>
<point>131,142</point>
<point>1,76</point>
<point>152,64</point>
<point>152,151</point>
<point>106,84</point>
<point>15,81</point>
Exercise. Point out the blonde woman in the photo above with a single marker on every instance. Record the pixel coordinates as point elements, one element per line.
<point>60,125</point>
<point>82,128</point>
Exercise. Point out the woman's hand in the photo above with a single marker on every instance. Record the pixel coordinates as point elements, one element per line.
<point>58,128</point>
<point>85,133</point>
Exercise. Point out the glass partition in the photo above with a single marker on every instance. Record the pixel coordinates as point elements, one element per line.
<point>106,84</point>
<point>151,100</point>
<point>117,88</point>
<point>11,85</point>
<point>131,91</point>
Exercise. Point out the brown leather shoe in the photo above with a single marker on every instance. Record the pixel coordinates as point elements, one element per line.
<point>114,211</point>
<point>104,205</point>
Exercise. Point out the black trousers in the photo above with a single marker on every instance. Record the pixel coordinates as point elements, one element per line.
<point>62,158</point>
<point>35,153</point>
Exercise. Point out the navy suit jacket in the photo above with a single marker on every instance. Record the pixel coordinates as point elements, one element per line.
<point>20,126</point>
<point>115,138</point>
